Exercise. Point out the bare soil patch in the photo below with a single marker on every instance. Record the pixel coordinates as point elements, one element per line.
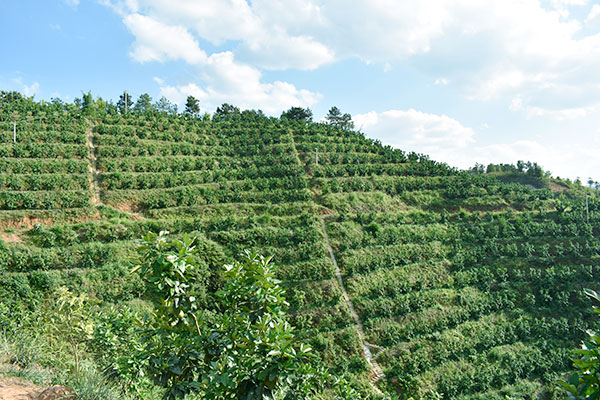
<point>10,237</point>
<point>128,206</point>
<point>26,222</point>
<point>558,187</point>
<point>17,389</point>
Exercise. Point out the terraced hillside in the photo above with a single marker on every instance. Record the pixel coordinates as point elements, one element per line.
<point>466,287</point>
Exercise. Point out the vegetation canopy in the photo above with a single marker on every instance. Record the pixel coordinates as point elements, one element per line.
<point>460,284</point>
<point>242,348</point>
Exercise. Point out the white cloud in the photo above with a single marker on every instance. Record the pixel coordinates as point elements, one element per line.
<point>270,97</point>
<point>71,3</point>
<point>283,52</point>
<point>487,49</point>
<point>569,3</point>
<point>447,139</point>
<point>222,77</point>
<point>31,90</point>
<point>516,104</point>
<point>566,162</point>
<point>155,41</point>
<point>564,113</point>
<point>440,136</point>
<point>593,14</point>
<point>262,40</point>
<point>230,82</point>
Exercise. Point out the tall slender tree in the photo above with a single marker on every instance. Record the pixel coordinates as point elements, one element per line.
<point>124,104</point>
<point>192,106</point>
<point>335,118</point>
<point>88,105</point>
<point>143,103</point>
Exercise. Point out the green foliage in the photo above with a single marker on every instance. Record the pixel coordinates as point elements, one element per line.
<point>242,348</point>
<point>192,106</point>
<point>584,383</point>
<point>71,319</point>
<point>226,111</point>
<point>143,103</point>
<point>335,118</point>
<point>125,102</point>
<point>298,114</point>
<point>470,282</point>
<point>117,345</point>
<point>88,105</point>
<point>163,105</point>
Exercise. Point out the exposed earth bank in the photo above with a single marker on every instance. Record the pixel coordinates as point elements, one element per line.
<point>17,389</point>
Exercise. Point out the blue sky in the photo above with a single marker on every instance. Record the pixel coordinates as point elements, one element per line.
<point>464,81</point>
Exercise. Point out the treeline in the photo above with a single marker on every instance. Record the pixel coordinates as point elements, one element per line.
<point>522,167</point>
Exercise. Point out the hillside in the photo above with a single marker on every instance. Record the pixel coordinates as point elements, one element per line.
<point>466,286</point>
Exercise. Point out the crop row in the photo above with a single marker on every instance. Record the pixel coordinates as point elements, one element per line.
<point>259,184</point>
<point>45,136</point>
<point>308,151</point>
<point>43,200</point>
<point>472,337</point>
<point>409,303</point>
<point>185,149</point>
<point>519,228</point>
<point>192,196</point>
<point>268,236</point>
<point>44,150</point>
<point>89,255</point>
<point>350,235</point>
<point>500,366</point>
<point>31,127</point>
<point>342,158</point>
<point>104,231</point>
<point>43,166</point>
<point>361,261</point>
<point>35,182</point>
<point>307,294</point>
<point>325,134</point>
<point>202,136</point>
<point>401,280</point>
<point>310,268</point>
<point>187,163</point>
<point>440,187</point>
<point>520,220</point>
<point>324,319</point>
<point>418,169</point>
<point>229,144</point>
<point>570,248</point>
<point>262,211</point>
<point>151,180</point>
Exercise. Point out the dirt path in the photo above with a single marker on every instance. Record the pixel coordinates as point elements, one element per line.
<point>93,166</point>
<point>294,149</point>
<point>15,389</point>
<point>377,371</point>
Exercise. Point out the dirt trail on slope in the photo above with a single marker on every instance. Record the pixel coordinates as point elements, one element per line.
<point>294,150</point>
<point>93,166</point>
<point>377,371</point>
<point>17,389</point>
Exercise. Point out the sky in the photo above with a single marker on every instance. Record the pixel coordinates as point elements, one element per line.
<point>463,81</point>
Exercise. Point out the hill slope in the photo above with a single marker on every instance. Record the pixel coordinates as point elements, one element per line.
<point>465,286</point>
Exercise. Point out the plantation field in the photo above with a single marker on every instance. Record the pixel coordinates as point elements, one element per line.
<point>467,286</point>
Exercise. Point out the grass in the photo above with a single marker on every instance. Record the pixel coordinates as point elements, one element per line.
<point>35,358</point>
